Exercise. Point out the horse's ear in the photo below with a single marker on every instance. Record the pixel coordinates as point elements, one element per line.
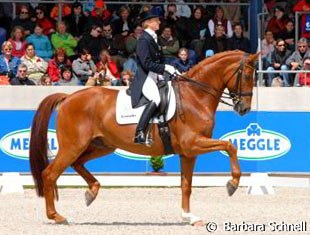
<point>254,57</point>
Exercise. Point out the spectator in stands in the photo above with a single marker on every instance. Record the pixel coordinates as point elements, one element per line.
<point>304,78</point>
<point>18,41</point>
<point>83,67</point>
<point>304,6</point>
<point>23,20</point>
<point>76,21</point>
<point>123,25</point>
<point>288,35</point>
<point>182,63</point>
<point>115,44</point>
<point>8,62</point>
<point>131,44</point>
<point>126,77</point>
<point>278,62</point>
<point>169,45</point>
<point>65,10</point>
<point>43,20</point>
<point>171,17</point>
<point>36,66</point>
<point>219,18</point>
<point>238,41</point>
<point>196,30</point>
<point>232,12</point>
<point>182,10</point>
<point>278,21</point>
<point>99,15</point>
<point>218,42</point>
<point>45,80</point>
<point>92,42</point>
<point>295,61</point>
<point>267,47</point>
<point>41,43</point>
<point>55,65</point>
<point>21,79</point>
<point>62,39</point>
<point>108,68</point>
<point>67,79</point>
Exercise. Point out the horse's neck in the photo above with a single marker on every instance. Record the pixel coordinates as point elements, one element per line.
<point>209,93</point>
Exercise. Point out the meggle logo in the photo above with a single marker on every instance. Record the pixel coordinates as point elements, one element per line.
<point>255,143</point>
<point>16,144</point>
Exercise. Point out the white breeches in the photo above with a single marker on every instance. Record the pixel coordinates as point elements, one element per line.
<point>150,90</point>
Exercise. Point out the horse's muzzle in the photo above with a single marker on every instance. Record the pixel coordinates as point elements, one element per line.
<point>241,108</point>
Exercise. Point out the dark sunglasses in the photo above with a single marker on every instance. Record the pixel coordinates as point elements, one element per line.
<point>39,12</point>
<point>22,71</point>
<point>24,12</point>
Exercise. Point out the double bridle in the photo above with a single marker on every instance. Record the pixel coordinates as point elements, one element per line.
<point>235,95</point>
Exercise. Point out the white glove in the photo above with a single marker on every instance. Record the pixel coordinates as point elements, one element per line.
<point>171,70</point>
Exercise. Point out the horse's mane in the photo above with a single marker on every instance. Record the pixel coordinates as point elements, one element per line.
<point>212,59</point>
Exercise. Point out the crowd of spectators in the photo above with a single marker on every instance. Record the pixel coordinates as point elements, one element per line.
<point>94,43</point>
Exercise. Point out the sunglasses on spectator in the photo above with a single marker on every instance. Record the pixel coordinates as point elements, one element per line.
<point>24,12</point>
<point>22,71</point>
<point>39,12</point>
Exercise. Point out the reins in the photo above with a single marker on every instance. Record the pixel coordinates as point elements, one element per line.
<point>235,95</point>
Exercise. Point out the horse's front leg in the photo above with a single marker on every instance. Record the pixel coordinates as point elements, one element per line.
<point>187,168</point>
<point>205,145</point>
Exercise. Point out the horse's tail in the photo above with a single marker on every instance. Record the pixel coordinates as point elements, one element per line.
<point>38,140</point>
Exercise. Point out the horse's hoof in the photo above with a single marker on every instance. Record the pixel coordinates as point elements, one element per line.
<point>63,221</point>
<point>231,189</point>
<point>89,197</point>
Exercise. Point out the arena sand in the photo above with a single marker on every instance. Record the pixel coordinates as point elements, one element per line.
<point>152,211</point>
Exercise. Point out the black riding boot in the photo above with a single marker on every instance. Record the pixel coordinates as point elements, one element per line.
<point>143,122</point>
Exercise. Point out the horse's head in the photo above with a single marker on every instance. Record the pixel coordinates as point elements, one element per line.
<point>240,84</point>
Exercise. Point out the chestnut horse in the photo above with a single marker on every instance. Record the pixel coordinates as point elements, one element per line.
<point>87,128</point>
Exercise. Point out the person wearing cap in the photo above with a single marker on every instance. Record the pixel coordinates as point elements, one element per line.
<point>99,15</point>
<point>150,71</point>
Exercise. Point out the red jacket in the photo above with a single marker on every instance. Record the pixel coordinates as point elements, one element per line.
<point>304,7</point>
<point>111,66</point>
<point>54,71</point>
<point>276,25</point>
<point>15,52</point>
<point>47,24</point>
<point>304,79</point>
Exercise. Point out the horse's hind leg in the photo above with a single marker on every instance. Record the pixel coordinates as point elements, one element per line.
<point>93,184</point>
<point>50,175</point>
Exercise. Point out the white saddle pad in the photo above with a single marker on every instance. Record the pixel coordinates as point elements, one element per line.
<point>125,114</point>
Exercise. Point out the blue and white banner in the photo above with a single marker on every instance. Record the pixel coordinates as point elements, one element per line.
<point>266,142</point>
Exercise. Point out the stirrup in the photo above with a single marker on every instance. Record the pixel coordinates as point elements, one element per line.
<point>139,137</point>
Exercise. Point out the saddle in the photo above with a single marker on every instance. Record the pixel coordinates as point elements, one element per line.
<point>160,114</point>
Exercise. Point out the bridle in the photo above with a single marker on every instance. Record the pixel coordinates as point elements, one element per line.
<point>235,95</point>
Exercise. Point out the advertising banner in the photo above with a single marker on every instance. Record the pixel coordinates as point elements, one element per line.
<point>266,142</point>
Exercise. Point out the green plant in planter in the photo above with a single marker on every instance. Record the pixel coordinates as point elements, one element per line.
<point>157,162</point>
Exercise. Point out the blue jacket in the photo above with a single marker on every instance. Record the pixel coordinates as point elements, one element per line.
<point>13,65</point>
<point>42,46</point>
<point>182,66</point>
